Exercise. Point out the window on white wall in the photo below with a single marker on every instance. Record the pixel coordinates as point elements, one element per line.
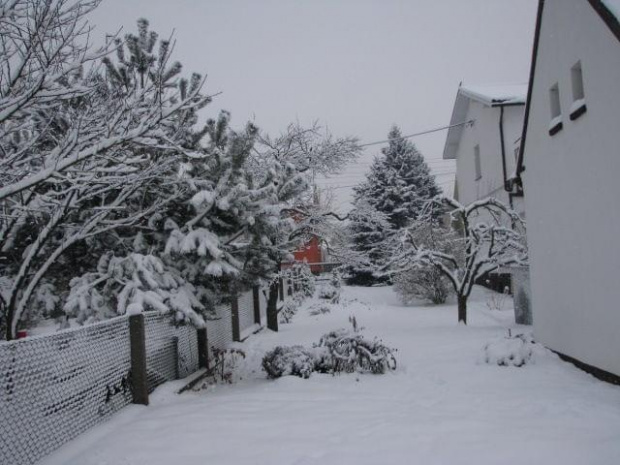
<point>556,110</point>
<point>554,100</point>
<point>578,107</point>
<point>477,162</point>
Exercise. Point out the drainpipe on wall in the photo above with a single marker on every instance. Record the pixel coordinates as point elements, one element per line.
<point>507,188</point>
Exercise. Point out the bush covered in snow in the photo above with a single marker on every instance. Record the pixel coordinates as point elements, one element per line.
<point>342,351</point>
<point>320,309</point>
<point>338,351</point>
<point>289,309</point>
<point>509,351</point>
<point>425,283</point>
<point>288,360</point>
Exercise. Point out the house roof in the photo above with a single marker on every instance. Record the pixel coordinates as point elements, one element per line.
<point>493,95</point>
<point>609,11</point>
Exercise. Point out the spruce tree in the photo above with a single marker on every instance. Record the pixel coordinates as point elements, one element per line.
<point>396,188</point>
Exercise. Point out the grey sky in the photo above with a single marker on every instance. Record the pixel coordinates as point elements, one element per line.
<point>358,66</point>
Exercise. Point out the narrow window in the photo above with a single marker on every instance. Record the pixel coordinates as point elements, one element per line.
<point>577,80</point>
<point>477,162</point>
<point>578,107</point>
<point>554,99</point>
<point>556,111</point>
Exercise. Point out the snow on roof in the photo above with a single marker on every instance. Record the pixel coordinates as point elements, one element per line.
<point>613,6</point>
<point>497,94</point>
<point>489,95</point>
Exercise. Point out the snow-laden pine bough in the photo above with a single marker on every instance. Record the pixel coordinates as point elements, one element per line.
<point>481,237</point>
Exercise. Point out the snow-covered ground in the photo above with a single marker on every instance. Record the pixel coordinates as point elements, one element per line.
<point>441,406</point>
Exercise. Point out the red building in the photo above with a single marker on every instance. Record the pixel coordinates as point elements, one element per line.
<point>312,254</point>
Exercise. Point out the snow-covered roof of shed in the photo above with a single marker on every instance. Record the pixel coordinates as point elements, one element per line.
<point>496,94</point>
<point>489,95</point>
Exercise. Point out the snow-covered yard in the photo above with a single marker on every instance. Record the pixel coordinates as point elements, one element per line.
<point>441,406</point>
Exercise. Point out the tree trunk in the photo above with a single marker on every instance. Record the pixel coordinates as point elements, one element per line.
<point>272,306</point>
<point>462,302</point>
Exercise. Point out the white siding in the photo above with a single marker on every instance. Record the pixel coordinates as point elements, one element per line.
<point>485,134</point>
<point>572,189</point>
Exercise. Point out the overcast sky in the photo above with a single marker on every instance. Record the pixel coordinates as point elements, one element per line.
<point>357,66</point>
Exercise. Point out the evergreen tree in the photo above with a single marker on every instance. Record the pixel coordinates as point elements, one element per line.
<point>399,182</point>
<point>392,197</point>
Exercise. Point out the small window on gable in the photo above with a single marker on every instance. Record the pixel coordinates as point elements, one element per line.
<point>554,100</point>
<point>556,111</point>
<point>477,162</point>
<point>578,107</point>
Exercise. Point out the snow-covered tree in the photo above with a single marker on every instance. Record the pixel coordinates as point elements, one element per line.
<point>399,182</point>
<point>485,235</point>
<point>398,186</point>
<point>83,155</point>
<point>367,232</point>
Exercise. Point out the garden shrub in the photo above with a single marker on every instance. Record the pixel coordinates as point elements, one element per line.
<point>288,360</point>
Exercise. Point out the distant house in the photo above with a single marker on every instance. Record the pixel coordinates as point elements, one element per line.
<point>312,253</point>
<point>569,164</point>
<point>485,148</point>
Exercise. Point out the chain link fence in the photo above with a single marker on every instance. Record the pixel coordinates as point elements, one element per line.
<point>54,387</point>
<point>57,386</point>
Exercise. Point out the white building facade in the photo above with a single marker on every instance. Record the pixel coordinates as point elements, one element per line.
<point>570,168</point>
<point>485,148</point>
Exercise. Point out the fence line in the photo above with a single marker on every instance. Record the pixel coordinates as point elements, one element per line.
<point>54,387</point>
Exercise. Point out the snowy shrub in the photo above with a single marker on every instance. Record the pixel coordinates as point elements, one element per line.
<point>320,309</point>
<point>303,279</point>
<point>327,292</point>
<point>225,362</point>
<point>425,283</point>
<point>288,360</point>
<point>509,351</point>
<point>340,351</point>
<point>497,300</point>
<point>289,309</point>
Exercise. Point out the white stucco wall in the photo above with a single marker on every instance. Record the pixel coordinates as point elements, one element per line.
<point>572,190</point>
<point>485,133</point>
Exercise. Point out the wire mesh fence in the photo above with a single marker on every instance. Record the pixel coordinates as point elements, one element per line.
<point>219,329</point>
<point>171,351</point>
<point>54,387</point>
<point>57,386</point>
<point>246,311</point>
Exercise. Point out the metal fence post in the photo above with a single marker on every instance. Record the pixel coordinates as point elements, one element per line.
<point>139,379</point>
<point>256,299</point>
<point>234,311</point>
<point>203,348</point>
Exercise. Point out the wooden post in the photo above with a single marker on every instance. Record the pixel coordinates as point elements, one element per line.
<point>256,299</point>
<point>175,345</point>
<point>139,380</point>
<point>234,311</point>
<point>203,348</point>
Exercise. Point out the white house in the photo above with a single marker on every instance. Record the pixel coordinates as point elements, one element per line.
<point>484,147</point>
<point>569,165</point>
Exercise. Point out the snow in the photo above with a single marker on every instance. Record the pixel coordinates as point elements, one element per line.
<point>555,121</point>
<point>440,406</point>
<point>576,105</point>
<point>496,93</point>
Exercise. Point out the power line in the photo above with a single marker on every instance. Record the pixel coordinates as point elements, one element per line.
<point>428,131</point>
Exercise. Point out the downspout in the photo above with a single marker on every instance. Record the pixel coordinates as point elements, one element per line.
<point>503,145</point>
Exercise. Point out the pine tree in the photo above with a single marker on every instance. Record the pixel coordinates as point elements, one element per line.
<point>399,182</point>
<point>392,196</point>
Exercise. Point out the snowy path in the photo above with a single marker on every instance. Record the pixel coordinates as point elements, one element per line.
<point>439,407</point>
